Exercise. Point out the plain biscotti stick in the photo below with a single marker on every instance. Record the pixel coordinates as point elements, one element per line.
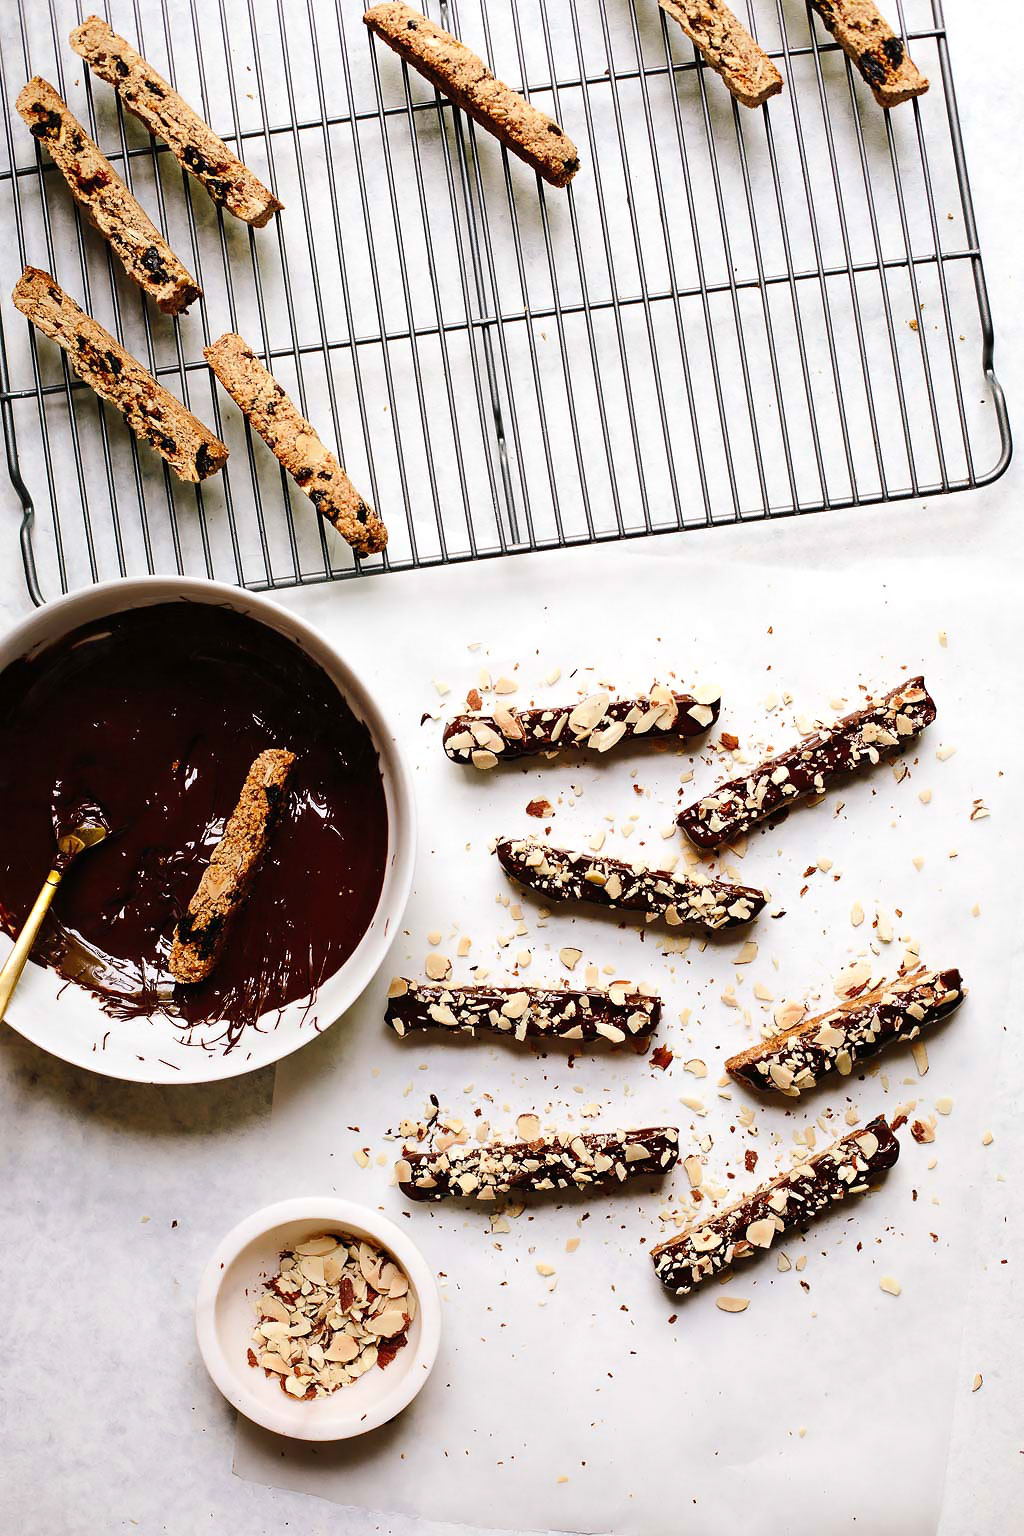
<point>458,73</point>
<point>105,200</point>
<point>169,118</point>
<point>728,47</point>
<point>870,43</point>
<point>295,443</point>
<point>151,411</point>
<point>202,930</point>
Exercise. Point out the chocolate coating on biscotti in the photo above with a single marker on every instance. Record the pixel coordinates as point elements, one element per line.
<point>796,1060</point>
<point>598,723</point>
<point>105,200</point>
<point>728,47</point>
<point>169,118</point>
<point>202,931</point>
<point>562,876</point>
<point>860,740</point>
<point>522,1013</point>
<point>470,1171</point>
<point>750,1226</point>
<point>294,441</point>
<point>871,44</point>
<point>190,449</point>
<point>458,73</point>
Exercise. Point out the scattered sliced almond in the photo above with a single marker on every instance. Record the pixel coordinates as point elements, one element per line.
<point>890,1286</point>
<point>732,1303</point>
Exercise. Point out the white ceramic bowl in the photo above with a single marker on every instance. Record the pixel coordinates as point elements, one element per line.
<point>224,1321</point>
<point>68,1020</point>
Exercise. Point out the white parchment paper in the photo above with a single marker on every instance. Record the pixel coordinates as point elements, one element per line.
<point>826,1405</point>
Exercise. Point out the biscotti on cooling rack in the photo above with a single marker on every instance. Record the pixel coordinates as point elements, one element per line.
<point>295,443</point>
<point>190,449</point>
<point>871,44</point>
<point>170,119</point>
<point>459,74</point>
<point>105,200</point>
<point>728,47</point>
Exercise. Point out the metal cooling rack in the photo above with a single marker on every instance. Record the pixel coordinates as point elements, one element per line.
<point>731,315</point>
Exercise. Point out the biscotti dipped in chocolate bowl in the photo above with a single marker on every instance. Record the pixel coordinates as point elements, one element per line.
<point>750,1226</point>
<point>466,1170</point>
<point>100,361</point>
<point>858,740</point>
<point>192,142</point>
<point>796,1059</point>
<point>598,723</point>
<point>203,928</point>
<point>105,199</point>
<point>559,875</point>
<point>460,74</point>
<point>522,1013</point>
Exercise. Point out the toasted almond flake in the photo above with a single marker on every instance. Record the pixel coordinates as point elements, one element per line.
<point>976,1381</point>
<point>570,957</point>
<point>695,1067</point>
<point>890,1286</point>
<point>545,1270</point>
<point>399,987</point>
<point>761,1233</point>
<point>528,1127</point>
<point>442,688</point>
<point>919,1050</point>
<point>553,676</point>
<point>945,753</point>
<point>694,1171</point>
<point>438,967</point>
<point>747,953</point>
<point>987,1139</point>
<point>853,977</point>
<point>944,1106</point>
<point>362,1157</point>
<point>483,760</point>
<point>782,1263</point>
<point>732,1303</point>
<point>762,993</point>
<point>464,946</point>
<point>571,1244</point>
<point>925,796</point>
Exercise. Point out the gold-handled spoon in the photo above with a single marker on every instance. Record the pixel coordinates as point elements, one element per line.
<point>83,829</point>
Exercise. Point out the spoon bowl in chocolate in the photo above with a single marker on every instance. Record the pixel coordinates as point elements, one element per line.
<point>153,698</point>
<point>83,828</point>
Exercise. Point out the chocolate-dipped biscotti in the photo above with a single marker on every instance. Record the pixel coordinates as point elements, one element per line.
<point>459,74</point>
<point>169,118</point>
<point>860,740</point>
<point>871,44</point>
<point>523,1012</point>
<point>561,876</point>
<point>467,1169</point>
<point>203,929</point>
<point>294,442</point>
<point>598,723</point>
<point>105,200</point>
<point>749,1226</point>
<point>151,411</point>
<point>728,47</point>
<point>798,1058</point>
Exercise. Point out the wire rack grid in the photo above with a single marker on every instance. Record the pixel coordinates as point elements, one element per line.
<point>729,315</point>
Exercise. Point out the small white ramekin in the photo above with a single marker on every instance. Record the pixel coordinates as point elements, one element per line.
<point>225,1315</point>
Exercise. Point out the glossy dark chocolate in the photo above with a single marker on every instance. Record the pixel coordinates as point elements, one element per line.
<point>157,714</point>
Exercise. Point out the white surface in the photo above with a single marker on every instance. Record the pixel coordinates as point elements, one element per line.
<point>585,1408</point>
<point>131,1435</point>
<point>240,1264</point>
<point>70,1021</point>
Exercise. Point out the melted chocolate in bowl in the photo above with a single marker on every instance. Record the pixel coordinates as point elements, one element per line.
<point>156,714</point>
